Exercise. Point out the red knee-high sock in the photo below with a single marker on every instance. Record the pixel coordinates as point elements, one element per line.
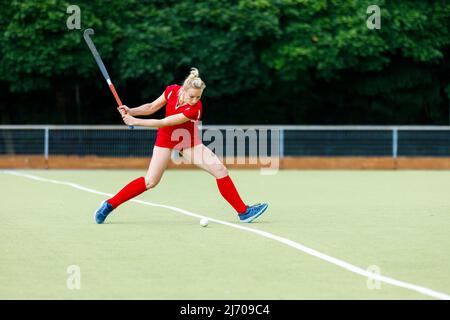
<point>229,192</point>
<point>131,190</point>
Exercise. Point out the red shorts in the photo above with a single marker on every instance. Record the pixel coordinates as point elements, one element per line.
<point>177,142</point>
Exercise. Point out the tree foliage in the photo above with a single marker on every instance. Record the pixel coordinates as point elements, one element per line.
<point>280,61</point>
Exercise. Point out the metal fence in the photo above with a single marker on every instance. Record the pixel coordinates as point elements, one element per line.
<point>317,141</point>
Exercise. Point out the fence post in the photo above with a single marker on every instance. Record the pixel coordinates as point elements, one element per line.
<point>394,142</point>
<point>281,143</point>
<point>46,143</point>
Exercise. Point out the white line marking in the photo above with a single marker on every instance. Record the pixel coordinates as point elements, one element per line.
<point>298,246</point>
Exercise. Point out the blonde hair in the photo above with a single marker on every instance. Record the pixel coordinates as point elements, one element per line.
<point>193,81</point>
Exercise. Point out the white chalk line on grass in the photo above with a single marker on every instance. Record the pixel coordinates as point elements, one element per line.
<point>298,246</point>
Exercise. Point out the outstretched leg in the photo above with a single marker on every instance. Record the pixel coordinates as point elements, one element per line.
<point>158,164</point>
<point>205,159</point>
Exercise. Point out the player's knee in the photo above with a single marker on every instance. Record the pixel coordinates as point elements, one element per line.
<point>220,171</point>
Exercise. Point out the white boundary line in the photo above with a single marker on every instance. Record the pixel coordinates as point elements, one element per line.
<point>298,246</point>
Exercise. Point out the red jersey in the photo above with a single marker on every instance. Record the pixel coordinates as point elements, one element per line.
<point>184,135</point>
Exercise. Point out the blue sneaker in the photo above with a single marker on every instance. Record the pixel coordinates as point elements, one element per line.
<point>102,212</point>
<point>253,212</point>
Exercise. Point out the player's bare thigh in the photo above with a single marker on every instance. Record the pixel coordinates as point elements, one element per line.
<point>205,159</point>
<point>158,164</point>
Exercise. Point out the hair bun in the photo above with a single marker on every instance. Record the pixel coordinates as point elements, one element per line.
<point>194,73</point>
<point>193,81</point>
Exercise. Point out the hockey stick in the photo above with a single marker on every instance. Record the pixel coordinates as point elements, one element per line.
<point>86,35</point>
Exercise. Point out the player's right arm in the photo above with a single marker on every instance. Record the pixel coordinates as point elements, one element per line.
<point>146,109</point>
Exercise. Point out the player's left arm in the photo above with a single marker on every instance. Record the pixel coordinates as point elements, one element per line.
<point>155,123</point>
